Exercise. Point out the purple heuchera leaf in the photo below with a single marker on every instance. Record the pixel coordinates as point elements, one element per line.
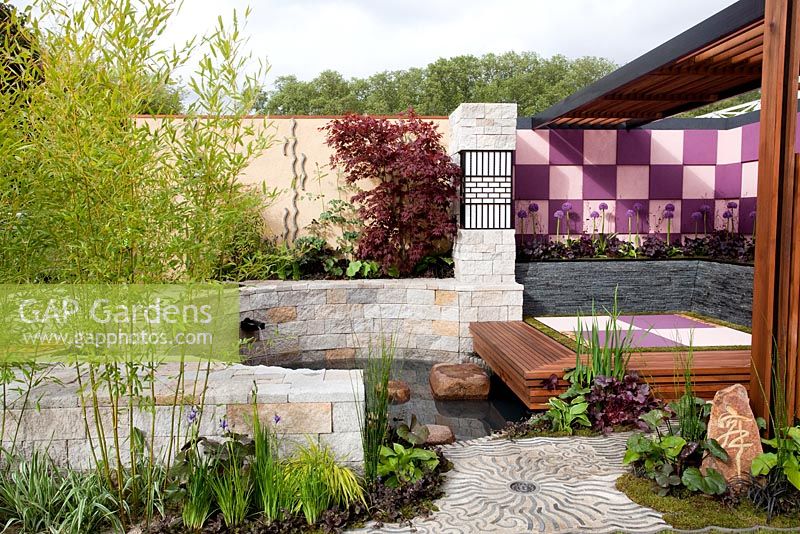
<point>558,214</point>
<point>522,214</point>
<point>603,206</point>
<point>550,383</point>
<point>616,403</point>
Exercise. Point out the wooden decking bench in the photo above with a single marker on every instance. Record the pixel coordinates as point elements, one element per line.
<point>524,357</point>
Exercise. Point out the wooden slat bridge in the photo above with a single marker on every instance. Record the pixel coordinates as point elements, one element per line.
<point>523,358</point>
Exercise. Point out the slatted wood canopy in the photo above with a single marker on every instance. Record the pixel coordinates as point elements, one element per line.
<point>718,58</point>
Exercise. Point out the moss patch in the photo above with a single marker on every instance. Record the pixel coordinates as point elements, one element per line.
<point>570,343</point>
<point>693,511</point>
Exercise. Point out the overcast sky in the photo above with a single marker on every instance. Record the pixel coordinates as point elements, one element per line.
<point>361,37</point>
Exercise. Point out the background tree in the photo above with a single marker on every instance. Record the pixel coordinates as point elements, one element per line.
<point>533,82</point>
<point>743,98</point>
<point>164,99</point>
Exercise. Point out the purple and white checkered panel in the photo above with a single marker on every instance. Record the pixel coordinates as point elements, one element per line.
<point>695,170</point>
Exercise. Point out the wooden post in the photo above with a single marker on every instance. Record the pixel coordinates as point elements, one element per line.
<point>776,298</point>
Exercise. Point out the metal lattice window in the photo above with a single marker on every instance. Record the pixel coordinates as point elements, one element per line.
<point>486,189</point>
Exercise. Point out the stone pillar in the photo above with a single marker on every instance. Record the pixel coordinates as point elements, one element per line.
<point>485,256</point>
<point>484,259</point>
<point>483,127</point>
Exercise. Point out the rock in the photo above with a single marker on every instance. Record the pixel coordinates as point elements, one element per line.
<point>462,381</point>
<point>340,355</point>
<point>282,314</point>
<point>399,392</point>
<point>732,424</point>
<point>439,435</point>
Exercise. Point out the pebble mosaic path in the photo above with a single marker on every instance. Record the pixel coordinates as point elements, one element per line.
<point>551,485</point>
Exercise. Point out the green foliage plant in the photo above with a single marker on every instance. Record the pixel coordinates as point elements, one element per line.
<point>374,422</point>
<point>321,482</point>
<point>231,482</point>
<point>401,465</point>
<point>199,496</point>
<point>594,358</point>
<point>36,497</point>
<point>692,412</point>
<point>671,462</point>
<point>274,493</point>
<point>566,417</point>
<point>783,458</point>
<point>414,432</point>
<point>90,192</point>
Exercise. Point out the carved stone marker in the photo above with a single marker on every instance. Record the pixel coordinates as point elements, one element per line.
<point>733,425</point>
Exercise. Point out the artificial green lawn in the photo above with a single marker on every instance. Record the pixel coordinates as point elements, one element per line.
<point>695,511</point>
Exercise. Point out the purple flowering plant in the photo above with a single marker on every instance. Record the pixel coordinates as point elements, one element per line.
<point>533,208</point>
<point>594,216</point>
<point>566,208</point>
<point>559,215</point>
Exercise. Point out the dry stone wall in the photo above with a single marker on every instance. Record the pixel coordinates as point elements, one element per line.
<point>321,406</point>
<point>335,320</point>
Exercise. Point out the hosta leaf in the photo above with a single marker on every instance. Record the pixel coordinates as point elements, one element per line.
<point>792,475</point>
<point>353,268</point>
<point>630,456</point>
<point>763,463</point>
<point>673,445</point>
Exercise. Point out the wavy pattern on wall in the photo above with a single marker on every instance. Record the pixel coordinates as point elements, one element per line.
<point>299,176</point>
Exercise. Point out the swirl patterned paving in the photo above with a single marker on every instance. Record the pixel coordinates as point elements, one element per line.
<point>569,485</point>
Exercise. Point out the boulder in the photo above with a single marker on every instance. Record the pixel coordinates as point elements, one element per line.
<point>399,392</point>
<point>439,435</point>
<point>462,381</point>
<point>733,425</point>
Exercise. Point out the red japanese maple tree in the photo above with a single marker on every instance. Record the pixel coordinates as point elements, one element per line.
<point>409,209</point>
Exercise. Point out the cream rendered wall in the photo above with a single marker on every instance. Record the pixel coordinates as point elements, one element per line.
<point>298,166</point>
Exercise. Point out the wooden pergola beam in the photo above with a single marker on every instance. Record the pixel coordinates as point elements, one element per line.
<point>710,70</point>
<point>776,298</point>
<point>666,97</point>
<point>613,115</point>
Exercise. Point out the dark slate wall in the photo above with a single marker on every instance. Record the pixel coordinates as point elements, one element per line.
<point>719,290</point>
<point>724,291</point>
